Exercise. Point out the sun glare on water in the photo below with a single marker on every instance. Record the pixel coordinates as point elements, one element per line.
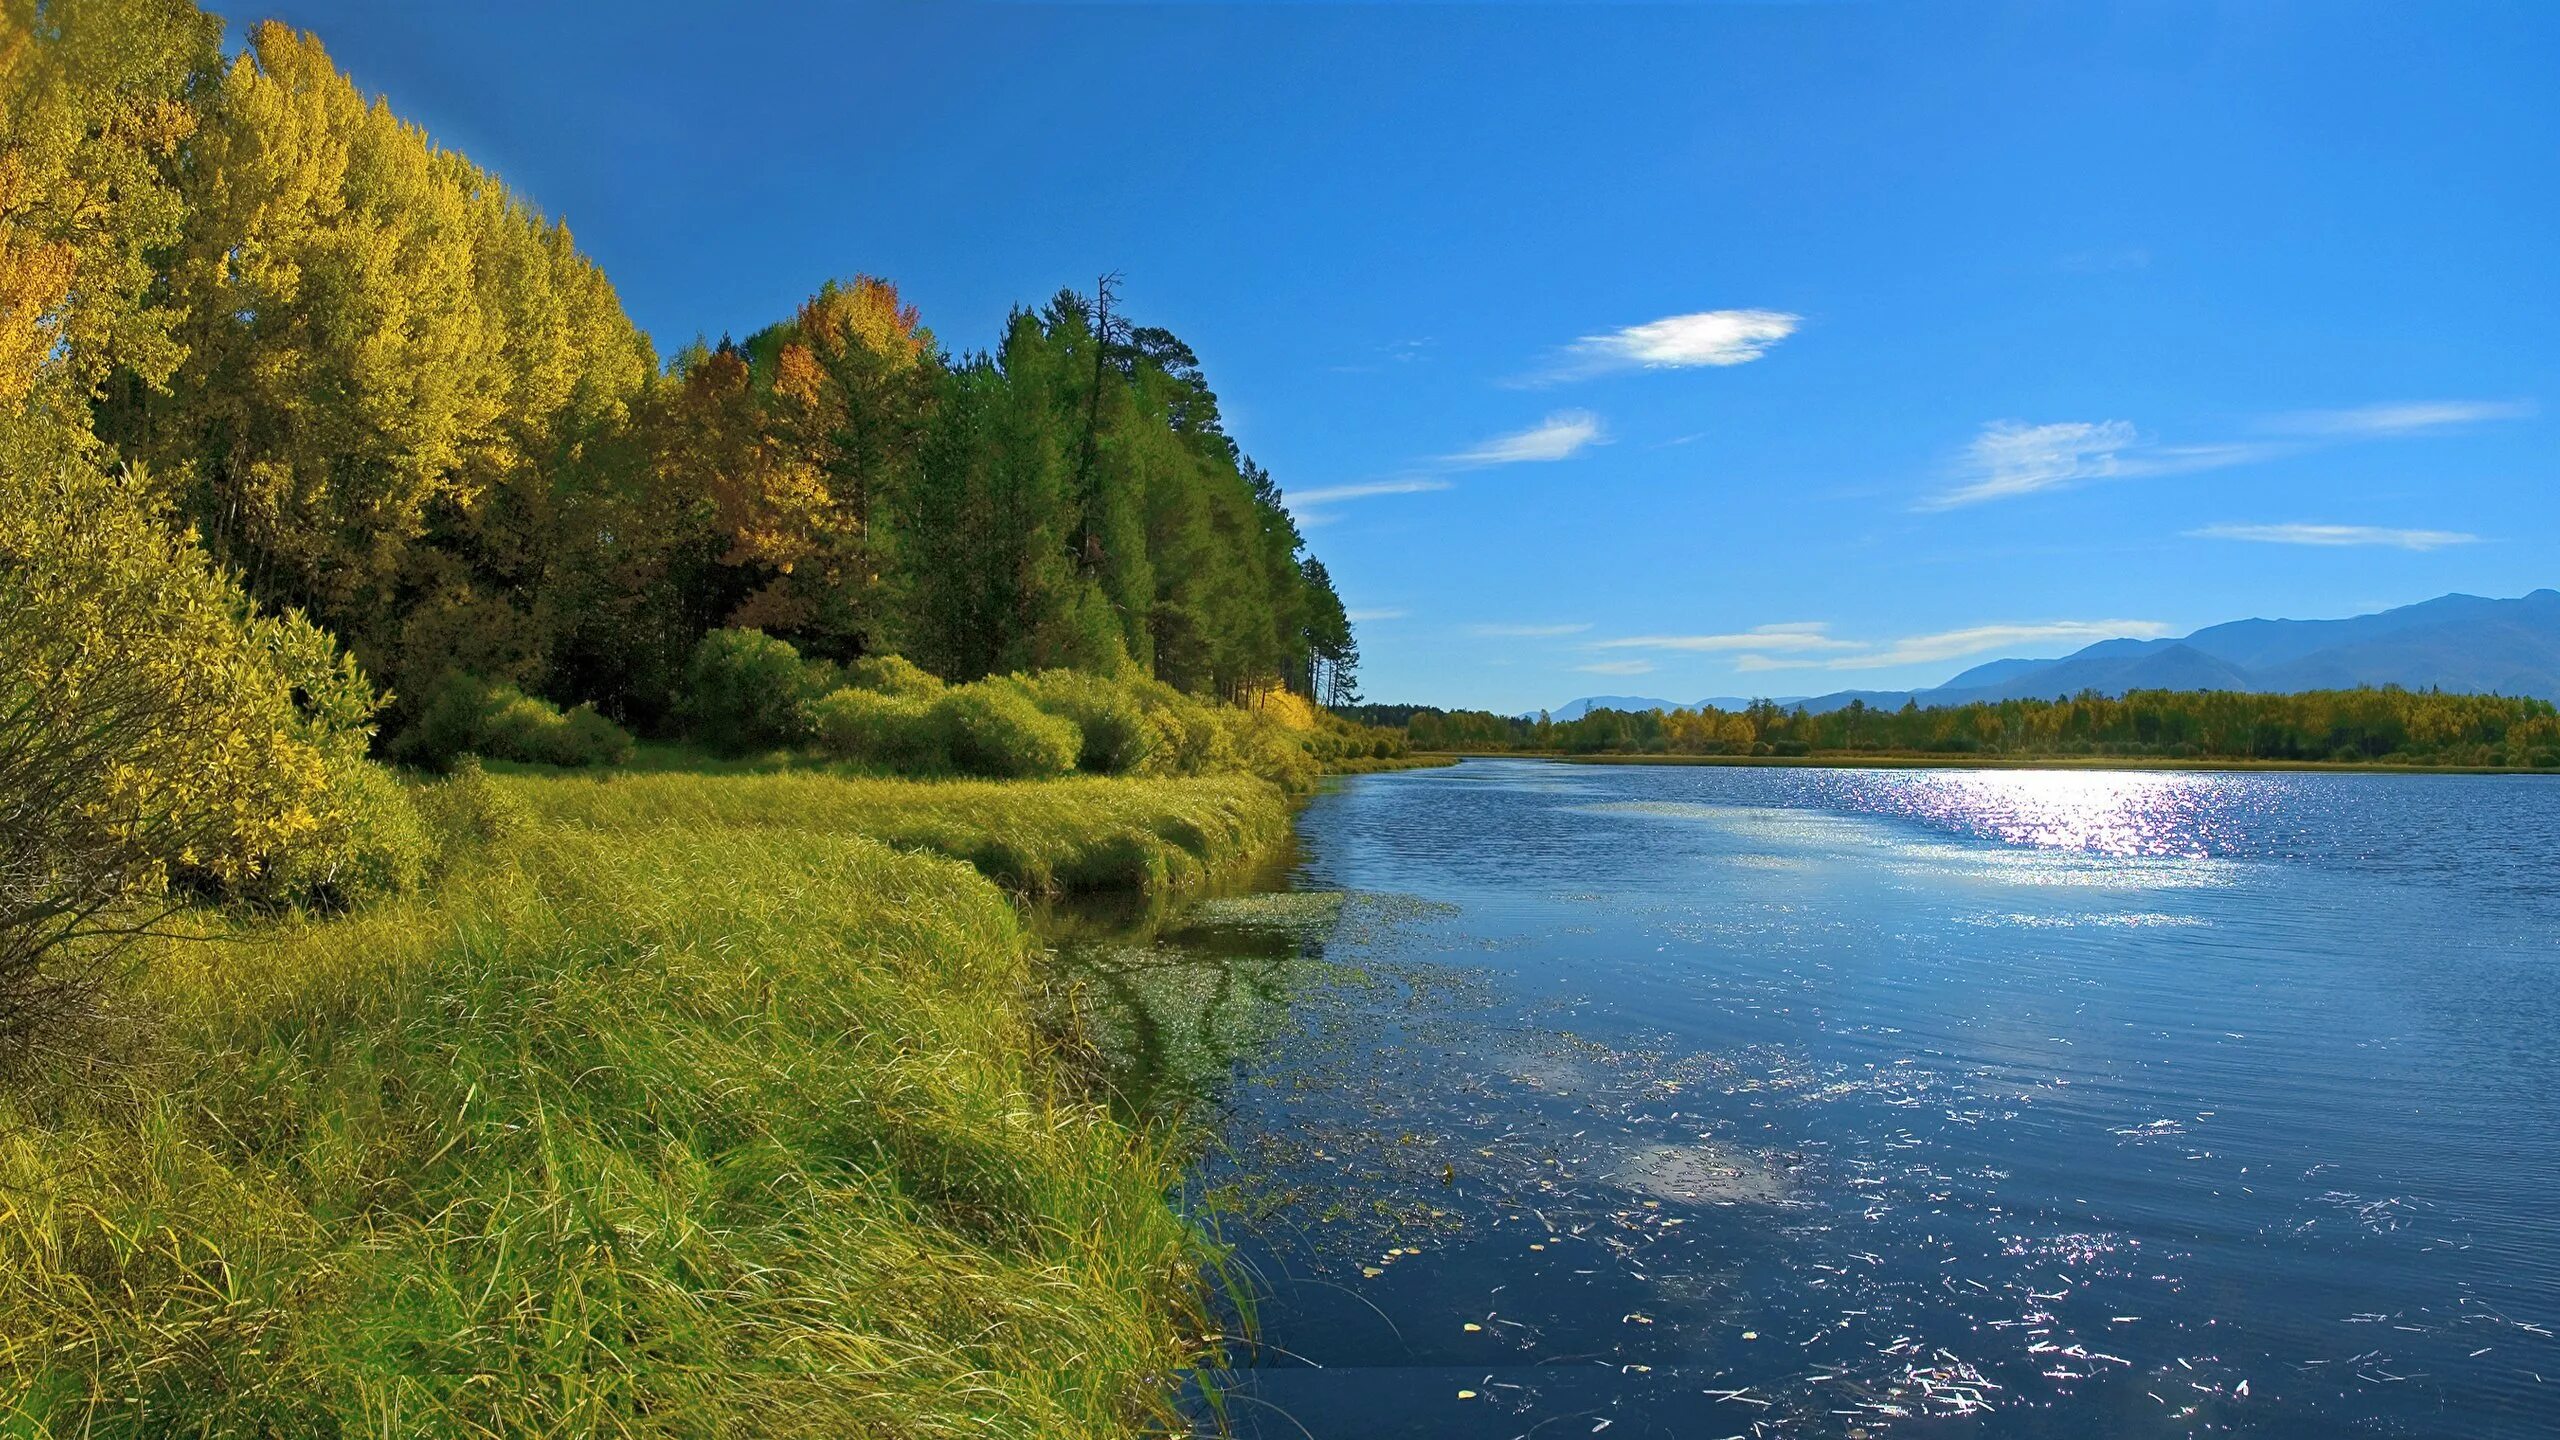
<point>2092,812</point>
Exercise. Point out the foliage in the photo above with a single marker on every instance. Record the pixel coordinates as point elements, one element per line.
<point>2387,725</point>
<point>992,728</point>
<point>744,689</point>
<point>150,729</point>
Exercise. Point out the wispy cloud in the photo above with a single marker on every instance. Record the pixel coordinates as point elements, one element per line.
<point>1363,617</point>
<point>1617,667</point>
<point>1334,494</point>
<point>1795,635</point>
<point>1677,342</point>
<point>2011,458</point>
<point>1558,437</point>
<point>1525,632</point>
<point>2408,417</point>
<point>2301,534</point>
<point>1954,644</point>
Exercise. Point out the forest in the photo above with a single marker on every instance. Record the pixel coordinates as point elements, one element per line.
<point>386,393</point>
<point>2370,726</point>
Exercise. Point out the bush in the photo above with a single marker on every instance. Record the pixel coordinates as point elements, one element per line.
<point>746,690</point>
<point>521,727</point>
<point>591,739</point>
<point>992,728</point>
<point>152,726</point>
<point>892,675</point>
<point>1117,738</point>
<point>894,732</point>
<point>469,716</point>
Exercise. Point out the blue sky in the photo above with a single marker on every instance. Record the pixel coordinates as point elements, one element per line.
<point>1740,349</point>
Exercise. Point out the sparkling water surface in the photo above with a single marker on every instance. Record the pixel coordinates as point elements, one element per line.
<point>1562,1100</point>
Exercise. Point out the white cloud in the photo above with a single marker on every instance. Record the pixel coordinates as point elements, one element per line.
<point>1331,494</point>
<point>1707,337</point>
<point>1557,437</point>
<point>1524,632</point>
<point>1617,667</point>
<point>1362,617</point>
<point>1796,635</point>
<point>2410,417</point>
<point>2300,534</point>
<point>1974,640</point>
<point>2011,458</point>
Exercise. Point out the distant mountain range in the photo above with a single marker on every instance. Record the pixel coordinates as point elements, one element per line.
<point>2453,642</point>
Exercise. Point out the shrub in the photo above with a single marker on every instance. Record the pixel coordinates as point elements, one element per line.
<point>470,716</point>
<point>894,732</point>
<point>992,728</point>
<point>585,737</point>
<point>745,689</point>
<point>892,675</point>
<point>1117,737</point>
<point>152,726</point>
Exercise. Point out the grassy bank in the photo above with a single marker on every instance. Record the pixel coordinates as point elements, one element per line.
<point>1860,759</point>
<point>698,1106</point>
<point>1082,833</point>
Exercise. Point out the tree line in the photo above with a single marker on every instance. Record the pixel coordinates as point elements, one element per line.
<point>386,392</point>
<point>2385,725</point>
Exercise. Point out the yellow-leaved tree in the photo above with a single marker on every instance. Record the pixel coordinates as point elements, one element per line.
<point>389,363</point>
<point>93,109</point>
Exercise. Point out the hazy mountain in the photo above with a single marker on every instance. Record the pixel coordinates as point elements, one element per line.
<point>2453,642</point>
<point>1576,709</point>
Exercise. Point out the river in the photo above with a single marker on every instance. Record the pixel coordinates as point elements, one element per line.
<point>1559,1100</point>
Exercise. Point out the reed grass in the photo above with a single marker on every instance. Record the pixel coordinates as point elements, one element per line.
<point>1079,833</point>
<point>703,1106</point>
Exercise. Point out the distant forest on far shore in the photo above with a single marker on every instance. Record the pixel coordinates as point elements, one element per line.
<point>2365,726</point>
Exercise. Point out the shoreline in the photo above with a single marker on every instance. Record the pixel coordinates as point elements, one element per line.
<point>1837,761</point>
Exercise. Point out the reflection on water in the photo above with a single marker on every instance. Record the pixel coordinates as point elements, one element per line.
<point>1797,1102</point>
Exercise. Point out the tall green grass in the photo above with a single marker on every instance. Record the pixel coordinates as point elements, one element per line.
<point>1081,833</point>
<point>701,1106</point>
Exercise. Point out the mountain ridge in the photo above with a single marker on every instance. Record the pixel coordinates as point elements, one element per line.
<point>2455,642</point>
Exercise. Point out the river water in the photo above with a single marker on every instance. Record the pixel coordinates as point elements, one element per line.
<point>1561,1100</point>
